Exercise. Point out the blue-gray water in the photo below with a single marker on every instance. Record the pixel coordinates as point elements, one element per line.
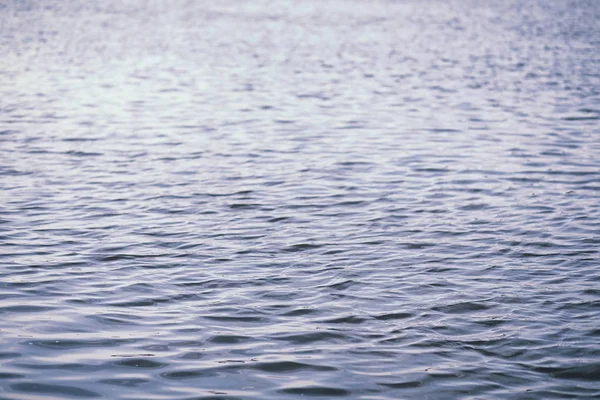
<point>299,199</point>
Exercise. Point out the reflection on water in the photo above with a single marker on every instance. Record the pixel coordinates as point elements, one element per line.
<point>276,199</point>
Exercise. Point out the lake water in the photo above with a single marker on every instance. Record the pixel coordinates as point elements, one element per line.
<point>276,199</point>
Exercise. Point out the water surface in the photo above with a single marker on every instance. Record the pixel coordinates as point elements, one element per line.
<point>312,199</point>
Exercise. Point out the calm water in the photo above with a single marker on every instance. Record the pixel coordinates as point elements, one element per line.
<point>299,199</point>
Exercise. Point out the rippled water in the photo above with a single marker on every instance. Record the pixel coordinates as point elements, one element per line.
<point>276,199</point>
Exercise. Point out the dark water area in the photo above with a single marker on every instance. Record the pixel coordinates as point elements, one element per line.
<point>299,199</point>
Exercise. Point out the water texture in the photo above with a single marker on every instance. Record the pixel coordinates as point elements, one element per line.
<point>299,199</point>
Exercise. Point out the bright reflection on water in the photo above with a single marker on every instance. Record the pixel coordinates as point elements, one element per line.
<point>276,199</point>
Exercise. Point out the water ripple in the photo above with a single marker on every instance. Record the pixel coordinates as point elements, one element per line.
<point>345,199</point>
